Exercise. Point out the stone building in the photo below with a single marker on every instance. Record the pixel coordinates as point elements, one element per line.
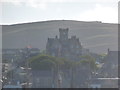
<point>63,46</point>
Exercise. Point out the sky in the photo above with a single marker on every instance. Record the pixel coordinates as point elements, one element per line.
<point>23,11</point>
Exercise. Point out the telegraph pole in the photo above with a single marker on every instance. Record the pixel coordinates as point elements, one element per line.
<point>27,67</point>
<point>27,74</point>
<point>71,77</point>
<point>59,78</point>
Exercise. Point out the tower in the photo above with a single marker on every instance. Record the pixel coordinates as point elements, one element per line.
<point>63,33</point>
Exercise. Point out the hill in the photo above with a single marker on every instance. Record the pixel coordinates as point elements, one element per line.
<point>96,36</point>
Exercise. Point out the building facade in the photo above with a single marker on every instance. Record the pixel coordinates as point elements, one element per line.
<point>63,46</point>
<point>110,67</point>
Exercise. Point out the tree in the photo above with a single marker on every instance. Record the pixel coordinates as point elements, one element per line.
<point>88,60</point>
<point>47,62</point>
<point>102,57</point>
<point>84,69</point>
<point>42,62</point>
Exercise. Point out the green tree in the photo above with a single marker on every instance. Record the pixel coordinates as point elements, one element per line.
<point>46,62</point>
<point>88,61</point>
<point>102,57</point>
<point>42,62</point>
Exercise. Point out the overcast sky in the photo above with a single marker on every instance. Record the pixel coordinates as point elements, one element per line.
<point>22,11</point>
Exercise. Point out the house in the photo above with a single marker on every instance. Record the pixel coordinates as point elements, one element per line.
<point>110,67</point>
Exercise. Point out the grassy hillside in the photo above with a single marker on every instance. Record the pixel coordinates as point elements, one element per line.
<point>95,36</point>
